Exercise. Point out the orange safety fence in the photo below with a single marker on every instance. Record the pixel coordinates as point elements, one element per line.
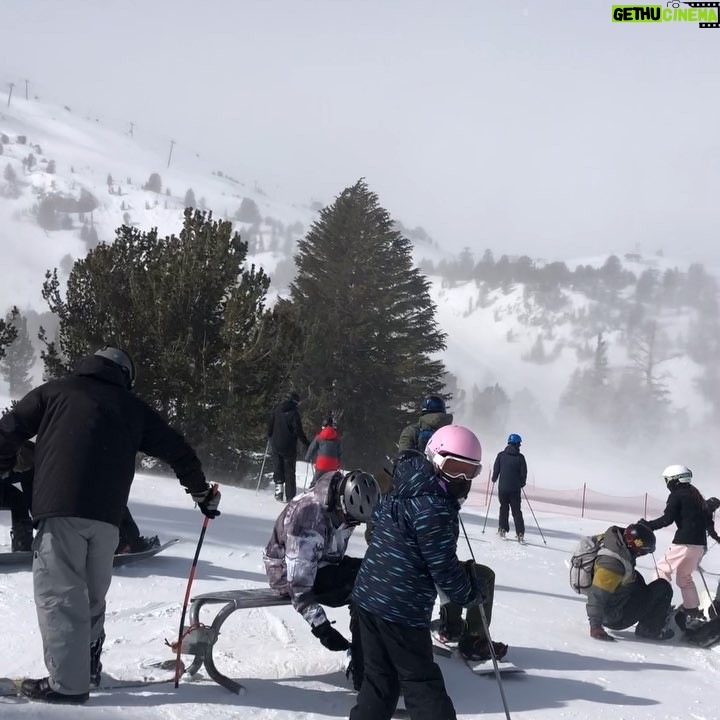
<point>579,502</point>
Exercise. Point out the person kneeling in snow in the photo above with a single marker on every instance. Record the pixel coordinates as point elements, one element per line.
<point>412,553</point>
<point>305,558</point>
<point>618,597</point>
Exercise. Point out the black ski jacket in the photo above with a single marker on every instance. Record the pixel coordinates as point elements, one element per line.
<point>89,428</point>
<point>511,468</point>
<point>285,429</point>
<point>687,513</point>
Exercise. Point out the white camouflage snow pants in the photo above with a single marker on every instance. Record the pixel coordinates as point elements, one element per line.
<point>72,570</point>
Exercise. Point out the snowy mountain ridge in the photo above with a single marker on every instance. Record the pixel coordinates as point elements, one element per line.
<point>99,178</point>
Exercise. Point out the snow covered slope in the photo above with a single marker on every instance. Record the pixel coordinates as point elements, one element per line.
<point>290,676</point>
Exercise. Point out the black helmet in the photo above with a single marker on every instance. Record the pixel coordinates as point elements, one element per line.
<point>328,422</point>
<point>359,493</point>
<point>640,539</point>
<point>122,358</point>
<point>432,404</point>
<point>293,397</point>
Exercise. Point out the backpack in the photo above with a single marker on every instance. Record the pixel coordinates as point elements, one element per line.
<point>423,437</point>
<point>582,563</point>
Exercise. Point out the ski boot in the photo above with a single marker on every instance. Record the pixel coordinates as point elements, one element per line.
<point>689,619</point>
<point>279,491</point>
<point>41,691</point>
<point>477,649</point>
<point>520,538</point>
<point>502,533</point>
<point>644,633</point>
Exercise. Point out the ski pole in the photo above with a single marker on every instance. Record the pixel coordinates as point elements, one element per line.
<point>262,467</point>
<point>486,628</point>
<point>487,512</point>
<point>533,514</point>
<point>193,568</point>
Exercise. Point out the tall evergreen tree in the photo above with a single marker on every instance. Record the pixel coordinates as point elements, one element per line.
<point>368,325</point>
<point>19,356</point>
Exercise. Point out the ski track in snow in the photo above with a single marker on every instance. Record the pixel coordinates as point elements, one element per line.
<point>288,674</point>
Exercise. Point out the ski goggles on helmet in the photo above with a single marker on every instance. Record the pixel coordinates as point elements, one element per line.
<point>457,467</point>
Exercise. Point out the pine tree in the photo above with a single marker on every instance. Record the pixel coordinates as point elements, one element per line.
<point>368,324</point>
<point>8,333</point>
<point>193,317</point>
<point>190,199</point>
<point>154,183</point>
<point>10,175</point>
<point>19,357</point>
<point>248,212</point>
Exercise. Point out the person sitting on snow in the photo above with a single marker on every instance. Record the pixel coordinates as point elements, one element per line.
<point>618,597</point>
<point>305,558</point>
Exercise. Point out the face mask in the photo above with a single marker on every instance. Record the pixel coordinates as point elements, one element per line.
<point>459,489</point>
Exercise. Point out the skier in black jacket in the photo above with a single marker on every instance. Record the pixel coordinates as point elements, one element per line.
<point>284,430</point>
<point>686,508</point>
<point>511,469</point>
<point>89,427</point>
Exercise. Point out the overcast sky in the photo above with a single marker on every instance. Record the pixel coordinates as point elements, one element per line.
<point>546,130</point>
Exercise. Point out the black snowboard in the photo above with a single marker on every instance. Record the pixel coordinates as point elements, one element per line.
<point>25,557</point>
<point>705,635</point>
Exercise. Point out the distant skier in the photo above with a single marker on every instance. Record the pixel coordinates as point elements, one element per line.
<point>433,415</point>
<point>618,597</point>
<point>284,430</point>
<point>686,508</point>
<point>89,428</point>
<point>325,450</point>
<point>413,552</point>
<point>510,472</point>
<point>18,499</point>
<point>305,558</point>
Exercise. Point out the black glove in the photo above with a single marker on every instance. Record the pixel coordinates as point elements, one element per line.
<point>330,637</point>
<point>643,521</point>
<point>478,586</point>
<point>208,501</point>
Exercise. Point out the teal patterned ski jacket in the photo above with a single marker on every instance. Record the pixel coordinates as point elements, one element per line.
<point>413,548</point>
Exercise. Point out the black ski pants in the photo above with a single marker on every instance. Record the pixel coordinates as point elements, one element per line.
<point>333,587</point>
<point>511,501</point>
<point>284,474</point>
<point>647,605</point>
<point>451,614</point>
<point>399,657</point>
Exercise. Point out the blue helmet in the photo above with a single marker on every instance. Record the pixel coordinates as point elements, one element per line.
<point>432,404</point>
<point>514,439</point>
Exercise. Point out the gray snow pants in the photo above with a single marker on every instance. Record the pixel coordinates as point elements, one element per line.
<point>72,570</point>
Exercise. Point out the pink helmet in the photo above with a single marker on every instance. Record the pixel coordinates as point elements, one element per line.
<point>454,440</point>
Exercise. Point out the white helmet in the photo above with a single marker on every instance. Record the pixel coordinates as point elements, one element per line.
<point>677,472</point>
